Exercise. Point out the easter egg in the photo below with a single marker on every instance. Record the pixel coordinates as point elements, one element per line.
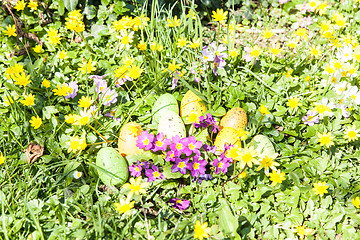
<point>263,145</point>
<point>171,124</point>
<point>227,135</point>
<point>127,139</point>
<point>191,103</point>
<point>112,167</point>
<point>165,102</point>
<point>235,118</point>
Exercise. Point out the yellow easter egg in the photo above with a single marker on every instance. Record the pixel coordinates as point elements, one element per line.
<point>127,139</point>
<point>227,135</point>
<point>235,118</point>
<point>191,103</point>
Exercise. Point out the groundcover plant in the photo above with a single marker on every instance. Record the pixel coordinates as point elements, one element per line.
<point>179,120</point>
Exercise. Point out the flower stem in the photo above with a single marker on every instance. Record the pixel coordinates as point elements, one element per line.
<point>98,133</point>
<point>146,222</point>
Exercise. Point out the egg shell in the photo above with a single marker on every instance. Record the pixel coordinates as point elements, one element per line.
<point>263,145</point>
<point>127,140</point>
<point>191,102</point>
<point>235,118</point>
<point>171,124</point>
<point>165,102</point>
<point>110,160</point>
<point>227,135</point>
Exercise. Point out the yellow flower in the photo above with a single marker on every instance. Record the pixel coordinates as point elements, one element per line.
<point>20,5</point>
<point>326,139</point>
<point>191,14</point>
<point>70,118</point>
<point>293,103</point>
<point>233,53</point>
<point>142,46</point>
<point>247,157</point>
<point>263,110</point>
<point>255,51</point>
<point>76,144</point>
<point>155,46</point>
<point>315,51</point>
<point>267,162</point>
<point>2,159</point>
<point>302,32</point>
<point>354,201</point>
<point>74,21</point>
<point>321,8</point>
<point>320,188</point>
<point>61,90</point>
<point>87,67</point>
<point>136,186</point>
<point>172,66</point>
<point>35,122</point>
<point>124,206</point>
<point>201,230</point>
<point>292,43</point>
<point>63,54</point>
<point>45,83</point>
<point>85,102</point>
<point>174,22</point>
<point>301,231</point>
<point>37,48</point>
<point>242,134</point>
<point>135,72</point>
<point>10,31</point>
<point>54,36</point>
<point>82,119</point>
<point>195,43</point>
<point>182,42</point>
<point>275,49</point>
<point>193,117</point>
<point>243,175</point>
<point>307,78</point>
<point>21,79</point>
<point>33,5</point>
<point>276,177</point>
<point>29,100</point>
<point>351,134</point>
<point>267,33</point>
<point>219,16</point>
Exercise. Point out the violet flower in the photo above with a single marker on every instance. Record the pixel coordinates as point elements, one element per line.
<point>221,165</point>
<point>109,97</point>
<point>197,167</point>
<point>170,156</point>
<point>144,164</point>
<point>209,148</point>
<point>101,86</point>
<point>180,204</point>
<point>73,90</point>
<point>95,112</point>
<point>202,177</point>
<point>305,22</point>
<point>153,174</point>
<point>311,118</point>
<point>192,146</point>
<point>145,140</point>
<point>135,170</point>
<point>161,143</point>
<point>112,115</point>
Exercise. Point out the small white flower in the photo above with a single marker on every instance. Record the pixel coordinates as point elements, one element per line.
<point>77,174</point>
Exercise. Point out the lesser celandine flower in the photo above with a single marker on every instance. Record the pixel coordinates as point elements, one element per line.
<point>195,43</point>
<point>173,22</point>
<point>325,139</point>
<point>87,67</point>
<point>320,188</point>
<point>301,231</point>
<point>85,102</point>
<point>54,36</point>
<point>124,206</point>
<point>136,186</point>
<point>20,5</point>
<point>275,49</point>
<point>45,83</point>
<point>37,48</point>
<point>142,46</point>
<point>233,53</point>
<point>201,230</point>
<point>70,118</point>
<point>2,159</point>
<point>351,133</point>
<point>302,32</point>
<point>82,119</point>
<point>63,54</point>
<point>255,51</point>
<point>293,103</point>
<point>135,72</point>
<point>315,51</point>
<point>33,5</point>
<point>267,33</point>
<point>182,42</point>
<point>263,110</point>
<point>35,122</point>
<point>267,162</point>
<point>21,79</point>
<point>219,16</point>
<point>276,177</point>
<point>292,43</point>
<point>61,90</point>
<point>10,31</point>
<point>356,202</point>
<point>247,157</point>
<point>29,100</point>
<point>76,144</point>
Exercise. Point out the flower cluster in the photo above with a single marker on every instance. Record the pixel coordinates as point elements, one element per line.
<point>206,122</point>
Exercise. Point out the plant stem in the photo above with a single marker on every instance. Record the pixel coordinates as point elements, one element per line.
<point>146,223</point>
<point>98,133</point>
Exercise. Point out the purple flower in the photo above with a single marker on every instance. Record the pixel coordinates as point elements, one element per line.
<point>112,115</point>
<point>135,170</point>
<point>178,145</point>
<point>153,173</point>
<point>101,85</point>
<point>223,154</point>
<point>209,148</point>
<point>180,204</point>
<point>161,143</point>
<point>206,122</point>
<point>221,165</point>
<point>192,146</point>
<point>247,56</point>
<point>197,167</point>
<point>144,164</point>
<point>94,111</point>
<point>311,118</point>
<point>97,77</point>
<point>180,165</point>
<point>121,81</point>
<point>202,177</point>
<point>306,21</point>
<point>344,111</point>
<point>207,55</point>
<point>109,97</point>
<point>170,156</point>
<point>73,90</point>
<point>145,140</point>
<point>219,50</point>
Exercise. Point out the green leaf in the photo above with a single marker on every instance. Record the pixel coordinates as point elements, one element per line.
<point>70,5</point>
<point>168,174</point>
<point>334,218</point>
<point>227,222</point>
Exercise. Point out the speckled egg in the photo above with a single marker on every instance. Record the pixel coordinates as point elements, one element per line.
<point>171,124</point>
<point>191,102</point>
<point>165,102</point>
<point>127,139</point>
<point>227,135</point>
<point>112,167</point>
<point>235,118</point>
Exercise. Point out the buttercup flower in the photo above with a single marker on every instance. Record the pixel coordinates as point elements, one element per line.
<point>201,230</point>
<point>10,31</point>
<point>276,177</point>
<point>356,202</point>
<point>325,139</point>
<point>320,188</point>
<point>29,100</point>
<point>351,133</point>
<point>136,186</point>
<point>219,16</point>
<point>35,122</point>
<point>124,206</point>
